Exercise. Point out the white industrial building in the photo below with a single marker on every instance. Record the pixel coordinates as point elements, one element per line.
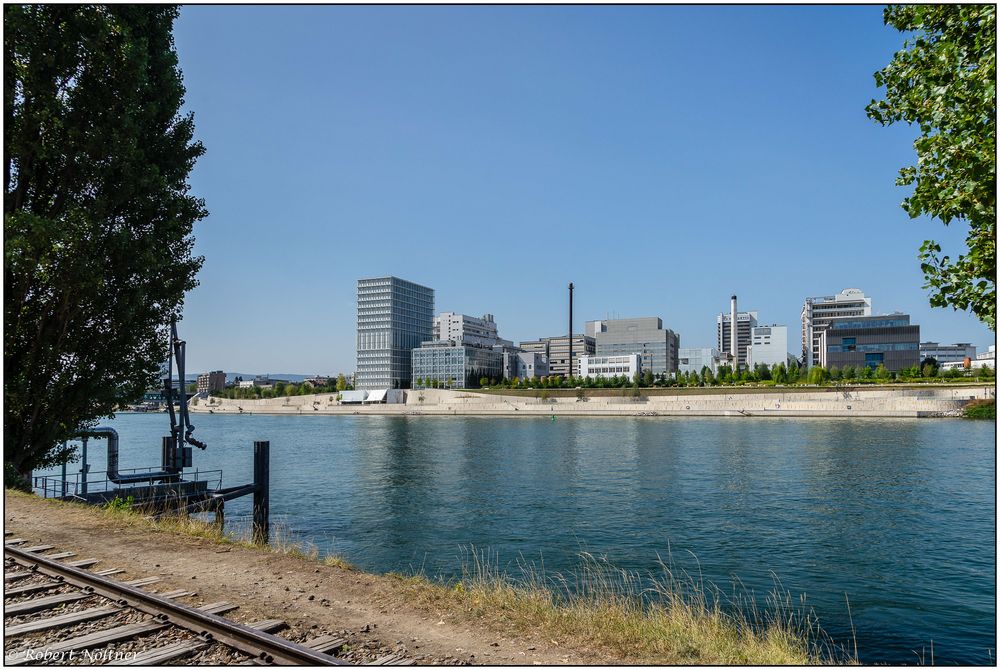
<point>768,346</point>
<point>611,366</point>
<point>985,359</point>
<point>693,359</point>
<point>465,330</point>
<point>523,364</point>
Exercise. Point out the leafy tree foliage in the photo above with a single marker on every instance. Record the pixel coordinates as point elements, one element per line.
<point>97,216</point>
<point>944,80</point>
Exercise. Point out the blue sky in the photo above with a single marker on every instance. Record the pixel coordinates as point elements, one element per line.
<point>661,158</point>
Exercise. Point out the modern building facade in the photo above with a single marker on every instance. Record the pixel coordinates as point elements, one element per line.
<point>470,330</point>
<point>768,346</point>
<point>657,347</point>
<point>696,358</point>
<point>947,353</point>
<point>628,365</point>
<point>522,364</point>
<point>745,323</point>
<point>556,349</point>
<point>861,341</point>
<point>818,312</point>
<point>453,365</point>
<point>211,381</point>
<point>394,317</point>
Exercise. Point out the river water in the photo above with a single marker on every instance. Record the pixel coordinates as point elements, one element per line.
<point>898,516</point>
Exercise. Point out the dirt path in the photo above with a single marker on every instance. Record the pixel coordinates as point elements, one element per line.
<point>372,611</point>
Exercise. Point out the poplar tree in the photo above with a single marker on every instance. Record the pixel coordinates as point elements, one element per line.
<point>97,217</point>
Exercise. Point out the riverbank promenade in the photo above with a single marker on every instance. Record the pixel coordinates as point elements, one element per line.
<point>848,401</point>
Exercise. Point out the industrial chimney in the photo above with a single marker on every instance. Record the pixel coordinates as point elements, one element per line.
<point>733,348</point>
<point>570,372</point>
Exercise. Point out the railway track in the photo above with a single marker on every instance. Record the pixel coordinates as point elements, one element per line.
<point>59,612</point>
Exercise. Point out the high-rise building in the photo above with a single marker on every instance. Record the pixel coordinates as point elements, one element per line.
<point>394,317</point>
<point>658,347</point>
<point>768,346</point>
<point>745,322</point>
<point>556,349</point>
<point>818,312</point>
<point>860,341</point>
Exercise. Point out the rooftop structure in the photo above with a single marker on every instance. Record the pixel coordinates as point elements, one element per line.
<point>464,329</point>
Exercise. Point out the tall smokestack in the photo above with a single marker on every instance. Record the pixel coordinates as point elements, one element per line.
<point>733,348</point>
<point>570,371</point>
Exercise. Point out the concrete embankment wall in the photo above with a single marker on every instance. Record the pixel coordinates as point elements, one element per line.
<point>821,402</point>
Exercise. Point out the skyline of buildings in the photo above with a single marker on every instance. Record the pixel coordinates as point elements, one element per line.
<point>403,344</point>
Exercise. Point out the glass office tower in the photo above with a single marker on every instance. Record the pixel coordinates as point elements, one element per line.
<point>394,317</point>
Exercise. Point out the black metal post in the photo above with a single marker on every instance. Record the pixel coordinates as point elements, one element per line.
<point>569,373</point>
<point>84,467</point>
<point>261,491</point>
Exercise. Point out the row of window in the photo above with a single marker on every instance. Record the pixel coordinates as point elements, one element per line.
<point>875,323</point>
<point>887,346</point>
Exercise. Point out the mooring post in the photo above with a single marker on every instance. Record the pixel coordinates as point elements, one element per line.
<point>63,474</point>
<point>261,491</point>
<point>83,468</point>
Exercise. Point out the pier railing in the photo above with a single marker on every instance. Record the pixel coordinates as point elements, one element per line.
<point>82,486</point>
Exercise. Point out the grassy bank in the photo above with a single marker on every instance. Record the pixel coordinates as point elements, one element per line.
<point>981,409</point>
<point>662,618</point>
<point>651,619</point>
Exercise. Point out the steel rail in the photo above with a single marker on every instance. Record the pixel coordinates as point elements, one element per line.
<point>262,646</point>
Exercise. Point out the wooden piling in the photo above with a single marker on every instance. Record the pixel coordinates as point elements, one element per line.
<point>262,491</point>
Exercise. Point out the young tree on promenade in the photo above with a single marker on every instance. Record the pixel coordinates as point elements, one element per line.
<point>97,217</point>
<point>944,81</point>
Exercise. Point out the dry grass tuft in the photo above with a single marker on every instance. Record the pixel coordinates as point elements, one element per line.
<point>662,619</point>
